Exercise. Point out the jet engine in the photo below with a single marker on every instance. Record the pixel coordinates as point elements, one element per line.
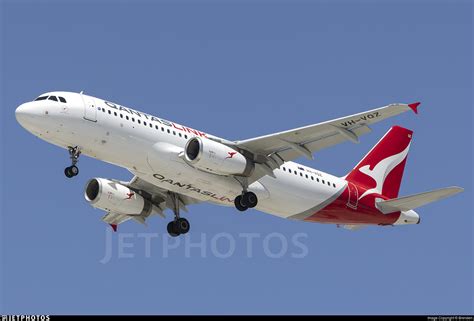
<point>115,197</point>
<point>216,158</point>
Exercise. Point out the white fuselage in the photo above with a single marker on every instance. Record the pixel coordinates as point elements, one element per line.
<point>149,147</point>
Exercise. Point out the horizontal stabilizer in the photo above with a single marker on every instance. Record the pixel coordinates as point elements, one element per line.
<point>414,201</point>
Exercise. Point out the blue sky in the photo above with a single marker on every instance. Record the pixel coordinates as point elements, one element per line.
<point>239,69</point>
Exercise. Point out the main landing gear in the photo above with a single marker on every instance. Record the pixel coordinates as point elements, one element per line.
<point>179,225</point>
<point>74,153</point>
<point>247,199</point>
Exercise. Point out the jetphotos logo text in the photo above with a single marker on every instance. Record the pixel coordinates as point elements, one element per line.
<point>204,245</point>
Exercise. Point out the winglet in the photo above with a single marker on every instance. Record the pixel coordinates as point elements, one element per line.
<point>114,227</point>
<point>414,107</point>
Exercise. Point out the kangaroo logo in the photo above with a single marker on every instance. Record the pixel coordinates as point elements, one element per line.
<point>231,154</point>
<point>129,196</point>
<point>382,170</point>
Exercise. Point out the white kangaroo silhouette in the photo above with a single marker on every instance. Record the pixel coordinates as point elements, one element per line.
<point>381,171</point>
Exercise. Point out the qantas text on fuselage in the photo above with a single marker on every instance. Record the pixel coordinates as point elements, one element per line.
<point>150,118</point>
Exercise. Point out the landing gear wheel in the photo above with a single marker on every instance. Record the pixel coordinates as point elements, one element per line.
<point>172,229</point>
<point>182,225</point>
<point>250,199</point>
<point>67,172</point>
<point>74,170</point>
<point>74,153</point>
<point>239,204</point>
<point>71,171</point>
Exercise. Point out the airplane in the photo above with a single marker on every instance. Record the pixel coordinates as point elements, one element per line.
<point>175,166</point>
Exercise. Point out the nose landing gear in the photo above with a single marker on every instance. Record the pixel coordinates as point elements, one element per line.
<point>73,170</point>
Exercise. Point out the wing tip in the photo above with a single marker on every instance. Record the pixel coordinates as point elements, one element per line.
<point>414,106</point>
<point>114,227</point>
<point>456,189</point>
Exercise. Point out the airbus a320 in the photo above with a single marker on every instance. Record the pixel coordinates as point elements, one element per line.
<point>175,166</point>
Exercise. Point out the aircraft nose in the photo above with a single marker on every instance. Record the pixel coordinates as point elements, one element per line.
<point>25,115</point>
<point>22,111</point>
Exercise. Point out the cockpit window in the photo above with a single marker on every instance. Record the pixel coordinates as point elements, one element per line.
<point>61,99</point>
<point>53,98</point>
<point>41,98</point>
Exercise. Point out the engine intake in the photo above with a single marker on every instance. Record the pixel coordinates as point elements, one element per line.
<point>216,158</point>
<point>115,197</point>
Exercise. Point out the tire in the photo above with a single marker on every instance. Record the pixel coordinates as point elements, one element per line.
<point>182,225</point>
<point>68,173</point>
<point>172,229</point>
<point>250,199</point>
<point>74,170</point>
<point>238,204</point>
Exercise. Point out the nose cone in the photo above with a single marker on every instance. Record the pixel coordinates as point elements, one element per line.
<point>30,116</point>
<point>24,114</point>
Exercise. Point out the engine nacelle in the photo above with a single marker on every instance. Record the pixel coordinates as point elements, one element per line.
<point>216,158</point>
<point>115,197</point>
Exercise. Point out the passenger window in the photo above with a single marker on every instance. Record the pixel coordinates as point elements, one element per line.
<point>317,179</point>
<point>168,131</point>
<point>121,116</point>
<point>144,123</point>
<point>312,178</point>
<point>180,135</point>
<point>156,127</point>
<point>61,99</point>
<point>284,169</point>
<point>185,136</point>
<point>296,173</point>
<point>115,113</point>
<point>126,117</point>
<point>53,98</point>
<point>333,185</point>
<point>329,183</point>
<point>133,119</point>
<point>109,112</point>
<point>139,121</point>
<point>323,181</point>
<point>151,126</point>
<point>174,133</point>
<point>103,110</point>
<point>41,98</point>
<point>301,174</point>
<point>306,175</point>
<point>162,129</point>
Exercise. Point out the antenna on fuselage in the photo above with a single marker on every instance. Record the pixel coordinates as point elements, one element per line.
<point>82,91</point>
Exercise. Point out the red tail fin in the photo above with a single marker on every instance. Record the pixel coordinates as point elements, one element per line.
<point>381,170</point>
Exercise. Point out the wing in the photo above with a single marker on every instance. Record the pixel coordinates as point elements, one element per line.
<point>160,198</point>
<point>114,219</point>
<point>271,151</point>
